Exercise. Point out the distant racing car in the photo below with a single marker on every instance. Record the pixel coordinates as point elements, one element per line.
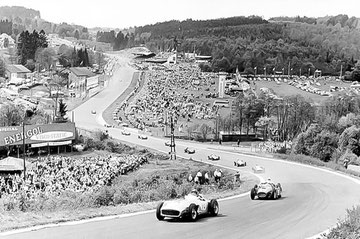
<point>141,136</point>
<point>258,169</point>
<point>213,157</point>
<point>266,190</point>
<point>168,143</point>
<point>189,150</point>
<point>239,163</point>
<point>190,207</point>
<point>127,133</point>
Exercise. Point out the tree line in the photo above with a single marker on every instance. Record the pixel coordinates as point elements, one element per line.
<point>329,131</point>
<point>6,27</point>
<point>118,40</point>
<point>330,44</point>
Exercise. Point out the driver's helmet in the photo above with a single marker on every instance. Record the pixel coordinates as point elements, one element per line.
<point>194,192</point>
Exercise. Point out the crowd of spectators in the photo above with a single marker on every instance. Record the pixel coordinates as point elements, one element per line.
<point>54,174</point>
<point>171,91</point>
<point>273,146</point>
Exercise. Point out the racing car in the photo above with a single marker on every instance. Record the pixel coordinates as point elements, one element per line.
<point>127,133</point>
<point>258,169</point>
<point>213,157</point>
<point>189,150</point>
<point>190,207</point>
<point>168,143</point>
<point>266,190</point>
<point>239,163</point>
<point>142,136</point>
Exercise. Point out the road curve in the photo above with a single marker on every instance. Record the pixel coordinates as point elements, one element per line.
<point>313,199</point>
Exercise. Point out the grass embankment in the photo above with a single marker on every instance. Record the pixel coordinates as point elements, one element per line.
<point>349,227</point>
<point>159,179</point>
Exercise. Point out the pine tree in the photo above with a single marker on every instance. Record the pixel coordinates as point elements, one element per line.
<point>62,110</point>
<point>77,34</point>
<point>86,58</point>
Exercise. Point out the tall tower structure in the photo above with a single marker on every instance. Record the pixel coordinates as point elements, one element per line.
<point>222,78</point>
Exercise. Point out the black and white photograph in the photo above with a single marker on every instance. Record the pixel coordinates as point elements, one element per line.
<point>156,119</point>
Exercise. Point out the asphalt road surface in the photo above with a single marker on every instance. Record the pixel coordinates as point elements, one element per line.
<point>312,201</point>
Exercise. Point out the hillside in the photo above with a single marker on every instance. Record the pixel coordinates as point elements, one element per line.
<point>20,12</point>
<point>299,44</point>
<point>16,19</point>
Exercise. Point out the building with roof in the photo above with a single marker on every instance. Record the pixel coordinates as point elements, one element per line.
<point>82,80</point>
<point>6,38</point>
<point>16,71</point>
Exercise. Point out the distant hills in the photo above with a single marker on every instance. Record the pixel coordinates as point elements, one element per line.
<point>18,12</point>
<point>250,44</point>
<point>21,19</point>
<point>341,19</point>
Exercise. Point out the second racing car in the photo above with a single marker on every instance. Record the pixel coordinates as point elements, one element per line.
<point>266,190</point>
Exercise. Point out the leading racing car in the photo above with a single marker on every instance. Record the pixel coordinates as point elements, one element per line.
<point>190,207</point>
<point>266,190</point>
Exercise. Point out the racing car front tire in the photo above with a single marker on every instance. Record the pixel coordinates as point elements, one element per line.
<point>158,212</point>
<point>252,193</point>
<point>193,212</point>
<point>213,207</point>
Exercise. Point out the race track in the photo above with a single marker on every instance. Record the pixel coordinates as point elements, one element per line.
<point>313,199</point>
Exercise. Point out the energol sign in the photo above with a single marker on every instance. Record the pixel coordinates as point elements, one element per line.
<point>14,135</point>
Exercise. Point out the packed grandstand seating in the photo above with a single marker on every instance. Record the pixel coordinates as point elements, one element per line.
<point>54,174</point>
<point>169,90</point>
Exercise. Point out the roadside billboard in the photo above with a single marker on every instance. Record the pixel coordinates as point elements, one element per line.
<point>35,134</point>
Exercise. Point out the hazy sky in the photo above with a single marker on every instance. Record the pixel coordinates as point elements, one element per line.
<point>123,14</point>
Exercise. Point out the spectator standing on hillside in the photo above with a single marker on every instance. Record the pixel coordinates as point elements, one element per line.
<point>199,177</point>
<point>346,163</point>
<point>206,176</point>
<point>237,177</point>
<point>217,175</point>
<point>190,178</point>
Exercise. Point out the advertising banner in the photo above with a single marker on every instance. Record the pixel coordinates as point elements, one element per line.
<point>34,134</point>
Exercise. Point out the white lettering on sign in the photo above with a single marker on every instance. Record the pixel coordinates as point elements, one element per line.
<point>11,139</point>
<point>52,136</point>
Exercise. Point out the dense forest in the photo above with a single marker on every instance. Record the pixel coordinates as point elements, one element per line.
<point>118,41</point>
<point>329,44</point>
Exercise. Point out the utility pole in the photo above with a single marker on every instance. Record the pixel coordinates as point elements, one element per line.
<point>172,142</point>
<point>23,130</point>
<point>341,71</point>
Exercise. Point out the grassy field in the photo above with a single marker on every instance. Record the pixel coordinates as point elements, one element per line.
<point>158,180</point>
